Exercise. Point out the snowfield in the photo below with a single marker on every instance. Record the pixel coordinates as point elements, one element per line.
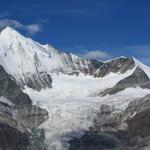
<point>72,104</point>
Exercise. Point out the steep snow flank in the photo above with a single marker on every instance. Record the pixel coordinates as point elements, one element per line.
<point>18,52</point>
<point>21,58</point>
<point>145,68</point>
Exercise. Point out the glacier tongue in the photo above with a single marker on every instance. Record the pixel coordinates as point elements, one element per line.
<point>71,107</point>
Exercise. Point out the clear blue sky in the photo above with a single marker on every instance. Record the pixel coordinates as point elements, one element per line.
<point>108,28</point>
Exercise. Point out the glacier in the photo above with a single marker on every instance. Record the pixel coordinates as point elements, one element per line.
<point>73,104</point>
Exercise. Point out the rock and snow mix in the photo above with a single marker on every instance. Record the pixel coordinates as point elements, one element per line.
<point>28,60</point>
<point>72,104</point>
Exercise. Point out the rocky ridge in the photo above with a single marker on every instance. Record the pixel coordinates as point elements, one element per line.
<point>138,79</point>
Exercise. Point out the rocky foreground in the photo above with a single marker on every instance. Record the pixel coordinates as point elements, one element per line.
<point>115,130</point>
<point>18,116</point>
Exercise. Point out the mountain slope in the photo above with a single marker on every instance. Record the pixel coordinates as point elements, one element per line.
<point>32,64</point>
<point>118,65</point>
<point>139,78</point>
<point>17,115</point>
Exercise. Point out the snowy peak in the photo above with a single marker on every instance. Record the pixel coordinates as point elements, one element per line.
<point>20,58</point>
<point>9,31</point>
<point>10,34</point>
<point>145,68</point>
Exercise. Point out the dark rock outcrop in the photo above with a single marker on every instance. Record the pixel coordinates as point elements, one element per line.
<point>37,140</point>
<point>30,116</point>
<point>94,141</point>
<point>16,125</point>
<point>10,90</point>
<point>17,115</point>
<point>94,66</point>
<point>11,138</point>
<point>139,125</point>
<point>138,121</point>
<point>137,79</point>
<point>38,81</point>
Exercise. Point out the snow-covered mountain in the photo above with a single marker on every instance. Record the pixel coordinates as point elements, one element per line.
<point>32,64</point>
<point>140,77</point>
<point>73,101</point>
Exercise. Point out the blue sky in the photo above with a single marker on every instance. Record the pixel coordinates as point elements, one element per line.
<point>98,29</point>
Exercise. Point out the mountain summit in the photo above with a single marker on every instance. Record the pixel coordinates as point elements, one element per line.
<point>31,63</point>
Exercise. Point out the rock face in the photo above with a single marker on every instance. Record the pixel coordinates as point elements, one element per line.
<point>11,138</point>
<point>119,65</point>
<point>138,79</point>
<point>129,132</point>
<point>37,140</point>
<point>10,90</point>
<point>93,141</point>
<point>31,116</point>
<point>138,124</point>
<point>17,115</point>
